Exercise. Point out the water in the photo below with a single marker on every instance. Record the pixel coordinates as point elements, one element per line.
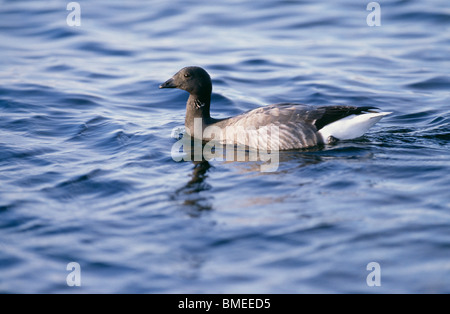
<point>86,173</point>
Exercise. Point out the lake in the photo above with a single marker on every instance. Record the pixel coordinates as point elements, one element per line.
<point>87,175</point>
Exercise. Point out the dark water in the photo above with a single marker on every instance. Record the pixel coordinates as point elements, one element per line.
<point>86,173</point>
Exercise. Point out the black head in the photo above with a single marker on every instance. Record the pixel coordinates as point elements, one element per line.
<point>194,80</point>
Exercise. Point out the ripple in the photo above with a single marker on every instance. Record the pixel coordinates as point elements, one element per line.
<point>104,49</point>
<point>93,183</point>
<point>81,101</point>
<point>8,154</point>
<point>414,118</point>
<point>429,16</point>
<point>435,83</point>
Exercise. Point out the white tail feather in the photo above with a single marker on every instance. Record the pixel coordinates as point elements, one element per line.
<point>351,127</point>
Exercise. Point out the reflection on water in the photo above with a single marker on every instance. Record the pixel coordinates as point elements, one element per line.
<point>191,194</point>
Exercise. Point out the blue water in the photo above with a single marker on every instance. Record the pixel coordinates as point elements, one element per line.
<point>86,173</point>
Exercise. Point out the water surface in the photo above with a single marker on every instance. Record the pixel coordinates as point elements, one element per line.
<point>86,173</point>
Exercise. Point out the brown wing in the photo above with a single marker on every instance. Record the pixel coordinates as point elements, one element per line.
<point>298,124</point>
<point>334,113</point>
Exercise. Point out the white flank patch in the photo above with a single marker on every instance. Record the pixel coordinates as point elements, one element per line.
<point>351,127</point>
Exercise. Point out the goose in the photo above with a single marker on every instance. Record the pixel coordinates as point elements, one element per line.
<point>297,126</point>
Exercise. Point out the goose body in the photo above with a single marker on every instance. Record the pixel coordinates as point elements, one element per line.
<point>285,126</point>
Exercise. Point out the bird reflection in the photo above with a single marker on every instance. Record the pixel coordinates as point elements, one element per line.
<point>191,194</point>
<point>194,194</point>
<point>198,177</point>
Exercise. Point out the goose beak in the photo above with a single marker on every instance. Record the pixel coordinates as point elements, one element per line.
<point>169,84</point>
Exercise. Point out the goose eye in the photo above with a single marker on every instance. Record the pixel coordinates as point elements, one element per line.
<point>187,75</point>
